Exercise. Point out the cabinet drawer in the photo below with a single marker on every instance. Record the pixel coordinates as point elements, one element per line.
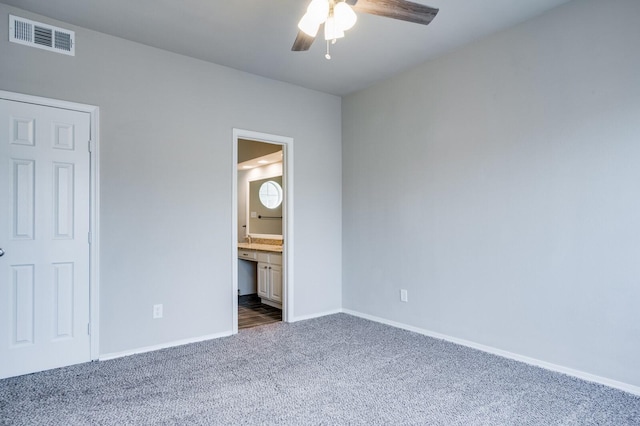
<point>247,254</point>
<point>274,259</point>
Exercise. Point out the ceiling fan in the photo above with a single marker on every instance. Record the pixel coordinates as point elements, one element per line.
<point>337,16</point>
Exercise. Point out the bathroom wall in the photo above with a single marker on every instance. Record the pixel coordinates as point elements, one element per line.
<point>244,176</point>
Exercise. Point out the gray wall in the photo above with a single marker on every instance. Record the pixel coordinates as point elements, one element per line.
<point>166,174</point>
<point>500,185</point>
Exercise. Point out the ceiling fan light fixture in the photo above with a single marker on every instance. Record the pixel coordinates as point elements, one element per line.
<point>339,16</point>
<point>318,10</point>
<point>344,16</point>
<point>309,25</point>
<point>331,30</point>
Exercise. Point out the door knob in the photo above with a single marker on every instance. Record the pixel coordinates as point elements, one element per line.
<point>1,252</point>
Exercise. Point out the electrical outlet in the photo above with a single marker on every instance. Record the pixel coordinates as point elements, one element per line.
<point>157,311</point>
<point>404,296</point>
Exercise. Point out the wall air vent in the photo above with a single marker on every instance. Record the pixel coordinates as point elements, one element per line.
<point>42,36</point>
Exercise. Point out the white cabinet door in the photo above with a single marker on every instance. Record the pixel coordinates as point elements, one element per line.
<point>44,226</point>
<point>275,283</point>
<point>263,280</point>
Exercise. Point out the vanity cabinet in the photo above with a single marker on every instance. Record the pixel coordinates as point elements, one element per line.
<point>270,282</point>
<point>270,277</point>
<point>269,274</point>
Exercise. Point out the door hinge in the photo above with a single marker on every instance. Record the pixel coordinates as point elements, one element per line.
<point>90,145</point>
<point>89,329</point>
<point>89,237</point>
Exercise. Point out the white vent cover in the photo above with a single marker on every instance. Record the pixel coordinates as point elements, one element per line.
<point>42,36</point>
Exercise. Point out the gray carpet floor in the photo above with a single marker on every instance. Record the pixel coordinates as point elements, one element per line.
<point>334,370</point>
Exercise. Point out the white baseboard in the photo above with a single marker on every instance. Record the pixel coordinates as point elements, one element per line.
<point>114,355</point>
<point>316,315</point>
<point>495,351</point>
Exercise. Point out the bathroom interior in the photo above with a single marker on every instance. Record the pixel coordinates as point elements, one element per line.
<point>260,232</point>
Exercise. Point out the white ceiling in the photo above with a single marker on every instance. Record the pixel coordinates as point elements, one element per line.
<point>256,35</point>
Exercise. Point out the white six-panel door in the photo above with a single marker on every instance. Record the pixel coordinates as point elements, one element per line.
<point>44,227</point>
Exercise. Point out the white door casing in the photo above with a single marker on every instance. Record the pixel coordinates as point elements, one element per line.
<point>45,224</point>
<point>287,268</point>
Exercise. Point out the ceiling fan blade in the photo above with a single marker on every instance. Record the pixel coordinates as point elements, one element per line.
<point>303,42</point>
<point>396,9</point>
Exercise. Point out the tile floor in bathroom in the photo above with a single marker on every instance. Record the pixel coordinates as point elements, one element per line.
<point>252,313</point>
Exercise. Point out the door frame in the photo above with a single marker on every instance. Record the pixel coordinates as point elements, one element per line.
<point>287,213</point>
<point>94,203</point>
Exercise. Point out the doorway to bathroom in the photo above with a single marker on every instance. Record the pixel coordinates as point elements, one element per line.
<point>262,229</point>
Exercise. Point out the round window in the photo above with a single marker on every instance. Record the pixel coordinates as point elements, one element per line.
<point>270,194</point>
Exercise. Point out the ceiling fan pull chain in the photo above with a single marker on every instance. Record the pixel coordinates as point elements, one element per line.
<point>328,56</point>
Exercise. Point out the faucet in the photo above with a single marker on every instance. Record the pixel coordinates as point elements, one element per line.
<point>248,237</point>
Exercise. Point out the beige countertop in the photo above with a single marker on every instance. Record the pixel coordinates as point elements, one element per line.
<point>260,247</point>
